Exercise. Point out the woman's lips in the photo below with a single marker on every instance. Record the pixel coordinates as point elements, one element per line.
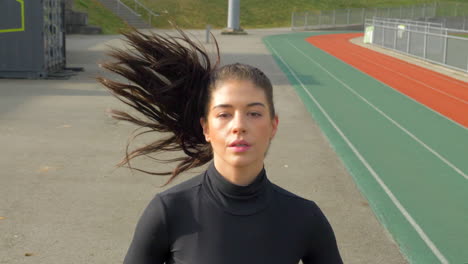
<point>239,148</point>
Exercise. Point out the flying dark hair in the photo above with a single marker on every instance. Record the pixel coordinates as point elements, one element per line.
<point>170,80</point>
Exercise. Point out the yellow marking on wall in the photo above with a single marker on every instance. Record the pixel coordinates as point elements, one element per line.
<point>22,20</point>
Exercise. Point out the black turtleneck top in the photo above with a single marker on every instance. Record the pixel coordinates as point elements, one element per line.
<point>208,220</point>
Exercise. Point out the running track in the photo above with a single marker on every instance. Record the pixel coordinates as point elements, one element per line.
<point>443,94</point>
<point>407,151</point>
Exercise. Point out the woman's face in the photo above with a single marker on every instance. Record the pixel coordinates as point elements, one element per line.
<point>239,126</point>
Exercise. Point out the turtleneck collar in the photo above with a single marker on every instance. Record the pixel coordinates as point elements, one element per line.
<point>236,199</point>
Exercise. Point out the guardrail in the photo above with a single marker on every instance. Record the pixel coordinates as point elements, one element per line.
<point>429,41</point>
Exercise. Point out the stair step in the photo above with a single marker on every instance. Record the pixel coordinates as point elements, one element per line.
<point>125,14</point>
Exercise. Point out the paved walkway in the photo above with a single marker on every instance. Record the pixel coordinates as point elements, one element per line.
<point>62,200</point>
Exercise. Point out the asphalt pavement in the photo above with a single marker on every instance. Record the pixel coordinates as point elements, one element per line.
<point>64,201</point>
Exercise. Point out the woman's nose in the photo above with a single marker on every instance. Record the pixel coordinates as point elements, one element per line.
<point>238,125</point>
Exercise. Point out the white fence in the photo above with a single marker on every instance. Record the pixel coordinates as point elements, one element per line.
<point>357,16</point>
<point>430,41</point>
<point>451,15</point>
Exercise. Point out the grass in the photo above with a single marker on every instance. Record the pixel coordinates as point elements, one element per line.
<point>98,15</point>
<point>254,13</point>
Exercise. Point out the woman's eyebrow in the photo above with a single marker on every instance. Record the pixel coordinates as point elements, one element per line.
<point>230,106</point>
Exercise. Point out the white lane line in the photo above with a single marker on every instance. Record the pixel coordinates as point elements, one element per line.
<point>435,153</point>
<point>410,78</point>
<point>410,98</point>
<point>392,197</point>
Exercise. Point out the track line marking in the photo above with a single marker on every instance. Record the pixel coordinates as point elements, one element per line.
<point>406,96</point>
<point>408,77</point>
<point>426,71</point>
<point>435,153</point>
<point>392,197</point>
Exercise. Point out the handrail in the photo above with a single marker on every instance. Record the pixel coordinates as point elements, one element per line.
<point>126,6</point>
<point>148,11</point>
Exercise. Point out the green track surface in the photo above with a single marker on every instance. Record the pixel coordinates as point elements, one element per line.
<point>409,161</point>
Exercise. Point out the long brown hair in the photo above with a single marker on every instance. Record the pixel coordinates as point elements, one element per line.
<point>171,79</point>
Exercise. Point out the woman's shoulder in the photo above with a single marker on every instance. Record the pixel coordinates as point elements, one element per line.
<point>293,199</point>
<point>184,189</point>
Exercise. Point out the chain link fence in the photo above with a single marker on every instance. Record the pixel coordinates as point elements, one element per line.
<point>431,41</point>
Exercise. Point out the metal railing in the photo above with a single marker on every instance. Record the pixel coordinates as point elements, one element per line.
<point>429,41</point>
<point>357,16</point>
<point>137,9</point>
<point>452,15</point>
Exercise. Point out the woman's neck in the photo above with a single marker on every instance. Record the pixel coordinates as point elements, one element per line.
<point>241,176</point>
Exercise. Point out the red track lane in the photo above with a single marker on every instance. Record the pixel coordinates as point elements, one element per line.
<point>445,95</point>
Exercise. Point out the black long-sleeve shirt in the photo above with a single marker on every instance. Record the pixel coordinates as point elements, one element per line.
<point>208,220</point>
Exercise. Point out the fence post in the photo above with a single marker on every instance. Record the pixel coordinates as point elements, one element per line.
<point>445,49</point>
<point>306,16</point>
<point>396,36</point>
<point>320,19</point>
<point>292,20</point>
<point>334,16</point>
<point>347,16</point>
<point>363,15</point>
<point>424,10</point>
<point>408,42</point>
<point>383,34</point>
<point>425,42</point>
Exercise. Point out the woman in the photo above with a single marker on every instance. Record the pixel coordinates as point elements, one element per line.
<point>231,213</point>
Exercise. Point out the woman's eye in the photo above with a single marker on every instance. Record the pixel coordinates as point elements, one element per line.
<point>223,115</point>
<point>255,114</point>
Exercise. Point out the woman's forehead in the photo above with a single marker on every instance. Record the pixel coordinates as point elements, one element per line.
<point>238,89</point>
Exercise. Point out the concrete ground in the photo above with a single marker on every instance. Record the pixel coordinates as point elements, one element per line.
<point>63,200</point>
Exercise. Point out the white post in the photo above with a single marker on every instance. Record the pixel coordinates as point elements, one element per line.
<point>233,15</point>
<point>348,16</point>
<point>207,37</point>
<point>292,21</point>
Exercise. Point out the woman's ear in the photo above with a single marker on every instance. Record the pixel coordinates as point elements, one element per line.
<point>204,125</point>
<point>274,124</point>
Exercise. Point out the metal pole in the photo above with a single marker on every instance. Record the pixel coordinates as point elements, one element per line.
<point>292,20</point>
<point>207,35</point>
<point>306,15</point>
<point>233,14</point>
<point>408,42</point>
<point>445,50</point>
<point>425,42</point>
<point>347,18</point>
<point>334,16</point>
<point>383,35</point>
<point>363,15</point>
<point>320,19</point>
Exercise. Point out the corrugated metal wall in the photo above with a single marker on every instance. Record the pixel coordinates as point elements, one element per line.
<point>32,40</point>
